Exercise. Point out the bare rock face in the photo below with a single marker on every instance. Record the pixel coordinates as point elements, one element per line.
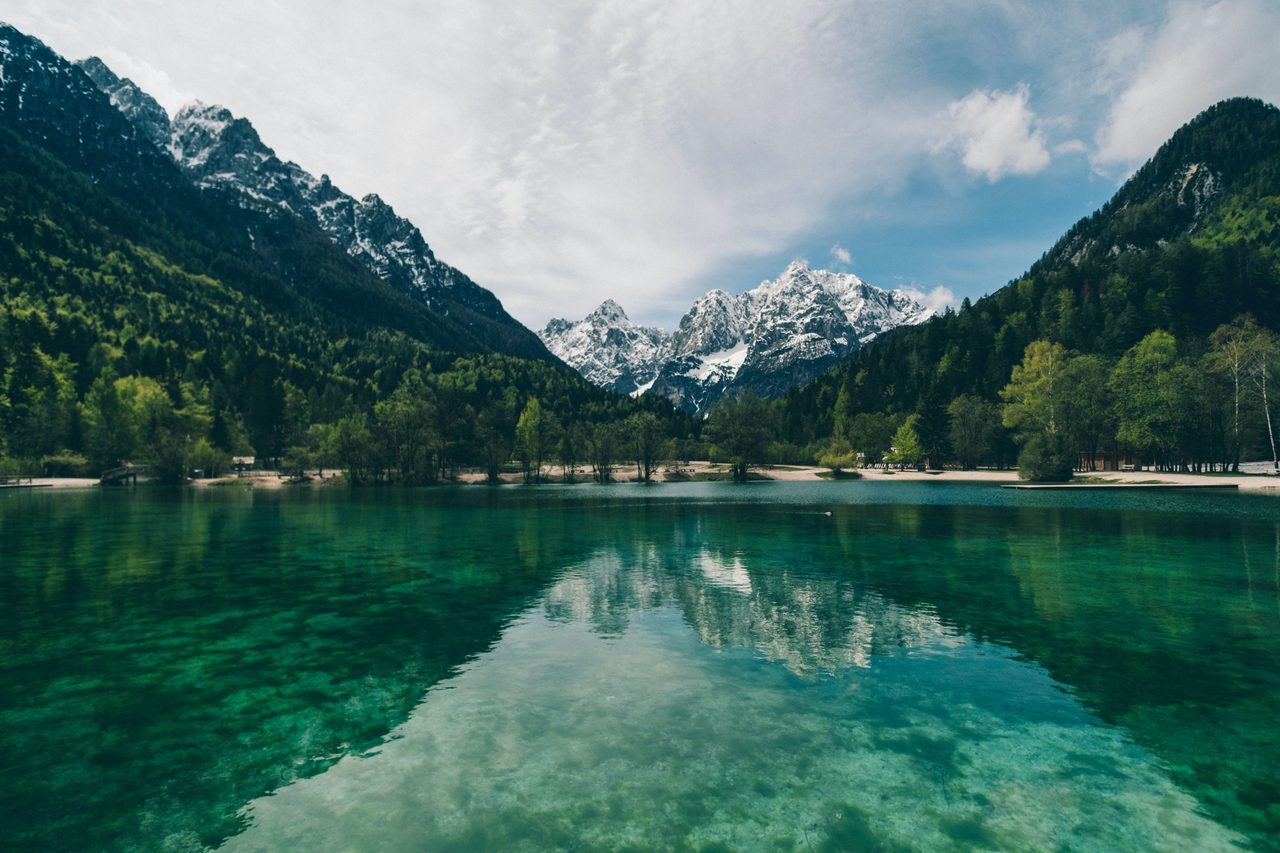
<point>765,341</point>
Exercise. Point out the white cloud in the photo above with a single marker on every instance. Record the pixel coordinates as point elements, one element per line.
<point>937,300</point>
<point>557,151</point>
<point>1165,75</point>
<point>996,133</point>
<point>564,151</point>
<point>841,255</point>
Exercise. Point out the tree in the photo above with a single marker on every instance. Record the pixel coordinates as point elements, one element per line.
<point>646,433</point>
<point>1263,351</point>
<point>741,429</point>
<point>1033,397</point>
<point>495,434</point>
<point>871,434</point>
<point>906,449</point>
<point>405,424</point>
<point>536,433</point>
<point>354,447</point>
<point>1087,411</point>
<point>109,427</point>
<point>933,427</point>
<point>975,427</point>
<point>602,449</point>
<point>1149,398</point>
<point>1232,354</point>
<point>1045,458</point>
<point>570,448</point>
<point>1035,402</point>
<point>209,459</point>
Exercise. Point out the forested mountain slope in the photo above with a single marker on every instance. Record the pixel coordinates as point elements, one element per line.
<point>125,286</point>
<point>1187,244</point>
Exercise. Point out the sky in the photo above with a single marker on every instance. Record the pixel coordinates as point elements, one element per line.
<point>563,152</point>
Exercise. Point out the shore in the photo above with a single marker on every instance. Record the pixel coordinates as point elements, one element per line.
<point>706,471</point>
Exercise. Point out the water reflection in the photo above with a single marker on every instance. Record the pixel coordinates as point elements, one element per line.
<point>810,622</point>
<point>662,697</point>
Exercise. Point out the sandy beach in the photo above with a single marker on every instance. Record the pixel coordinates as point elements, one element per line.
<point>707,470</point>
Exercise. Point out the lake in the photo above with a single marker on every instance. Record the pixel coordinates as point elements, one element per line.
<point>703,666</point>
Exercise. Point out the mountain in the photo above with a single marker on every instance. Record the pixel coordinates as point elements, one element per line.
<point>1189,242</point>
<point>608,349</point>
<point>765,341</point>
<point>130,287</point>
<point>223,152</point>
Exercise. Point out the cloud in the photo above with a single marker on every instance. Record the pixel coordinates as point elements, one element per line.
<point>1164,75</point>
<point>840,255</point>
<point>936,300</point>
<point>996,133</point>
<point>557,151</point>
<point>564,151</point>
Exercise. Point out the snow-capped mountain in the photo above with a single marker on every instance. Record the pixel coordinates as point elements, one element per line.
<point>608,349</point>
<point>766,341</point>
<point>221,151</point>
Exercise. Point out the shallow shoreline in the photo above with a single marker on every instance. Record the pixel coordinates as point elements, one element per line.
<point>708,472</point>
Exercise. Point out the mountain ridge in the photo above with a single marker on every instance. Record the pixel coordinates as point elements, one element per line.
<point>221,151</point>
<point>764,341</point>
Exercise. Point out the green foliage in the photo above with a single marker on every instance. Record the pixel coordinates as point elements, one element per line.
<point>1150,393</point>
<point>741,430</point>
<point>645,434</point>
<point>1033,399</point>
<point>838,456</point>
<point>537,432</point>
<point>1178,249</point>
<point>1046,458</point>
<point>603,441</point>
<point>974,429</point>
<point>64,463</point>
<point>906,448</point>
<point>209,460</point>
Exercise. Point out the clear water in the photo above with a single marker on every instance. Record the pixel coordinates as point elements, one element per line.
<point>684,667</point>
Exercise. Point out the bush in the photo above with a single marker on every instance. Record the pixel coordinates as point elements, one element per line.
<point>838,461</point>
<point>1045,459</point>
<point>64,463</point>
<point>209,459</point>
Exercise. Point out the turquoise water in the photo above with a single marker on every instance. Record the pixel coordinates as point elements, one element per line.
<point>696,666</point>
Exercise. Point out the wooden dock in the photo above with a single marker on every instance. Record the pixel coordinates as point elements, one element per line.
<point>120,476</point>
<point>21,483</point>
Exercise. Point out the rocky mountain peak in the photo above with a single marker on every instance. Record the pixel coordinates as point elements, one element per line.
<point>142,110</point>
<point>766,340</point>
<point>209,139</point>
<point>610,311</point>
<point>608,349</point>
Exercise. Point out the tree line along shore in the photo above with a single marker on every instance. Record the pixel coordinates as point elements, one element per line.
<point>1158,407</point>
